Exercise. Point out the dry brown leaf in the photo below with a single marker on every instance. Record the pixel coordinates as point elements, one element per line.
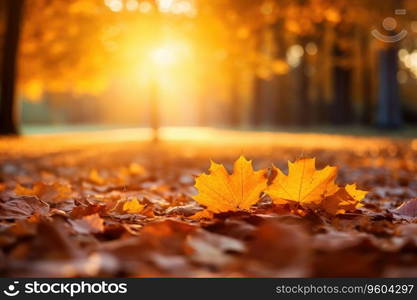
<point>407,209</point>
<point>277,245</point>
<point>51,193</point>
<point>20,190</point>
<point>221,192</point>
<point>213,249</point>
<point>22,208</point>
<point>88,224</point>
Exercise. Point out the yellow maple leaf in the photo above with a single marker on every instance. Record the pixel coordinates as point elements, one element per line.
<point>132,206</point>
<point>344,200</point>
<point>356,194</point>
<point>303,183</point>
<point>221,192</point>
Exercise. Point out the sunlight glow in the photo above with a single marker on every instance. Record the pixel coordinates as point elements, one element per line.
<point>409,60</point>
<point>145,7</point>
<point>132,5</point>
<point>178,7</point>
<point>114,5</point>
<point>165,5</point>
<point>163,56</point>
<point>294,54</point>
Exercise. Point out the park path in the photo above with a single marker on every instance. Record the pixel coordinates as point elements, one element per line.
<point>195,137</point>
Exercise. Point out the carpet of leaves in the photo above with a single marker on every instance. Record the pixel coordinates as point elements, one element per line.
<point>61,214</point>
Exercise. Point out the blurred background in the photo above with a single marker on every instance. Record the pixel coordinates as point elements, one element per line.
<point>311,65</point>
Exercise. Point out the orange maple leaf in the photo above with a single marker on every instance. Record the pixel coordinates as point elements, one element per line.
<point>303,184</point>
<point>221,192</point>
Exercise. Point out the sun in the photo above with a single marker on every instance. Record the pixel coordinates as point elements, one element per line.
<point>163,56</point>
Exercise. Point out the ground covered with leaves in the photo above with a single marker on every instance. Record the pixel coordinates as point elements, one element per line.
<point>127,208</point>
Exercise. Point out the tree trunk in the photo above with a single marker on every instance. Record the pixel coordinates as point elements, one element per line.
<point>366,117</point>
<point>155,121</point>
<point>342,107</point>
<point>281,116</point>
<point>321,76</point>
<point>389,108</point>
<point>303,106</point>
<point>321,107</point>
<point>8,104</point>
<point>258,85</point>
<point>235,103</point>
<point>342,112</point>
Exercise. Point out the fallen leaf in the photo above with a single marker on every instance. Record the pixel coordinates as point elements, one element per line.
<point>22,208</point>
<point>54,242</point>
<point>50,193</point>
<point>95,177</point>
<point>213,249</point>
<point>346,255</point>
<point>170,263</point>
<point>55,192</point>
<point>407,209</point>
<point>280,246</point>
<point>303,184</point>
<point>344,200</point>
<point>81,211</point>
<point>88,224</point>
<point>356,194</point>
<point>221,192</point>
<point>168,227</point>
<point>128,206</point>
<point>132,206</point>
<point>136,169</point>
<point>203,214</point>
<point>20,190</point>
<point>188,210</point>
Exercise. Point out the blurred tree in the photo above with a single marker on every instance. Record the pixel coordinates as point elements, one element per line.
<point>281,74</point>
<point>389,113</point>
<point>8,105</point>
<point>367,94</point>
<point>342,112</point>
<point>301,54</point>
